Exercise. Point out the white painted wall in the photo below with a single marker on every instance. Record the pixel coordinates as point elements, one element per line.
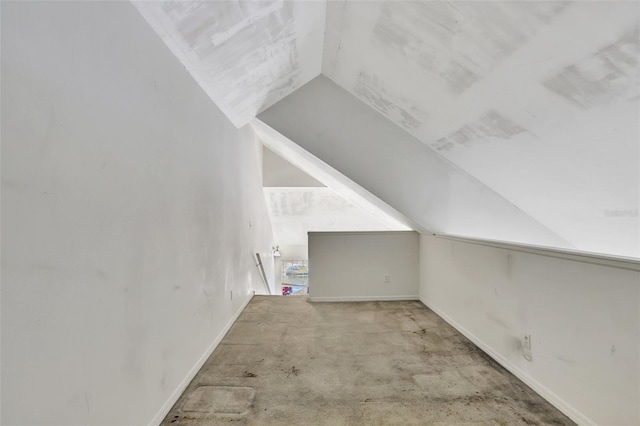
<point>351,266</point>
<point>397,168</point>
<point>126,202</point>
<point>278,172</point>
<point>584,320</point>
<point>294,252</point>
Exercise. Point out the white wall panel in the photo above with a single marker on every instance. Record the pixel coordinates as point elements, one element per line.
<point>126,202</point>
<point>583,316</point>
<point>356,266</point>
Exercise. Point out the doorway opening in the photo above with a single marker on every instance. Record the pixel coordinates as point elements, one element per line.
<point>295,277</point>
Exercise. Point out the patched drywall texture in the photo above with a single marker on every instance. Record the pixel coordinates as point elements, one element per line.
<point>492,124</point>
<point>608,76</point>
<point>296,211</point>
<point>423,51</point>
<point>397,168</point>
<point>537,100</point>
<point>373,92</point>
<point>246,55</point>
<point>458,42</point>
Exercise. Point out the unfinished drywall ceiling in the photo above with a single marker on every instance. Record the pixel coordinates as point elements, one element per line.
<point>346,135</point>
<point>246,55</point>
<point>297,210</point>
<point>538,100</point>
<point>299,203</point>
<point>340,184</point>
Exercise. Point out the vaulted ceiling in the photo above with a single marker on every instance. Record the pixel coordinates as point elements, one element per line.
<point>537,100</point>
<point>246,55</point>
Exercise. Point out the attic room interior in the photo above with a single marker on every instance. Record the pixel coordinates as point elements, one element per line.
<point>463,178</point>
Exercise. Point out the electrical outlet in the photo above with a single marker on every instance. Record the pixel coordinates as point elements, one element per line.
<point>526,347</point>
<point>386,278</point>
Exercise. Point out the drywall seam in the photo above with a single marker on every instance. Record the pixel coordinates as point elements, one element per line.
<point>166,407</point>
<point>543,391</point>
<point>363,299</point>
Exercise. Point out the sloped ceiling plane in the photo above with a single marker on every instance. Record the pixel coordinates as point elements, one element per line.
<point>516,120</point>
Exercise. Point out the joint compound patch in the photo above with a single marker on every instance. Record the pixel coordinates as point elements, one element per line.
<point>608,76</point>
<point>491,124</point>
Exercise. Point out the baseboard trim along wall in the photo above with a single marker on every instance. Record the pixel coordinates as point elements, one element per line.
<point>166,407</point>
<point>554,399</point>
<point>363,298</point>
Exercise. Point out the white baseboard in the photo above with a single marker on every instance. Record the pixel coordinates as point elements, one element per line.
<point>543,391</point>
<point>363,298</point>
<point>166,407</point>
